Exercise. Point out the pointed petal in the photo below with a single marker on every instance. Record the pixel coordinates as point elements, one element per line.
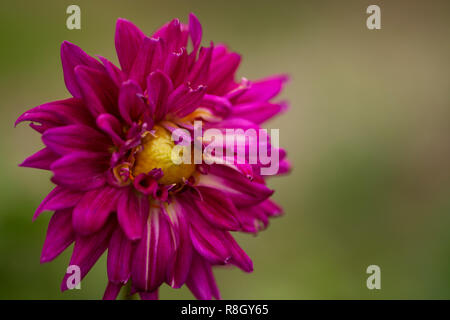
<point>88,249</point>
<point>128,40</point>
<point>116,75</point>
<point>59,198</point>
<point>258,112</point>
<point>42,159</point>
<point>201,280</point>
<point>98,90</point>
<point>195,31</point>
<point>72,56</point>
<point>60,235</point>
<point>263,90</point>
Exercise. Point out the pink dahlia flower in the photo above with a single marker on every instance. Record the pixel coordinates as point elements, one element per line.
<point>109,148</point>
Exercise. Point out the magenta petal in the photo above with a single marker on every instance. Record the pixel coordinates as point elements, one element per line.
<point>119,257</point>
<point>149,295</point>
<point>98,90</point>
<point>88,249</point>
<point>42,159</point>
<point>132,210</point>
<point>217,209</point>
<point>72,56</point>
<point>195,31</point>
<point>258,112</point>
<point>112,291</point>
<point>93,210</point>
<point>224,68</point>
<point>77,137</point>
<point>240,258</point>
<point>185,99</point>
<point>60,235</point>
<point>111,126</point>
<point>81,170</point>
<point>148,59</point>
<point>209,242</point>
<point>201,280</point>
<point>176,66</point>
<point>128,40</point>
<point>263,90</point>
<point>200,72</point>
<point>59,198</point>
<point>57,113</point>
<point>237,187</point>
<point>116,75</point>
<point>159,87</point>
<point>154,253</point>
<point>182,262</point>
<point>131,105</point>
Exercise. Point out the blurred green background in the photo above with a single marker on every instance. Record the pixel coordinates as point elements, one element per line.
<point>368,134</point>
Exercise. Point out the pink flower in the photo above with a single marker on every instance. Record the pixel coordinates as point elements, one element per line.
<point>108,147</point>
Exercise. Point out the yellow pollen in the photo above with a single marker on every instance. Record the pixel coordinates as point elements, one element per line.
<point>157,153</point>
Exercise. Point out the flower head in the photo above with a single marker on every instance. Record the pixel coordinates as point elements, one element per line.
<point>111,150</point>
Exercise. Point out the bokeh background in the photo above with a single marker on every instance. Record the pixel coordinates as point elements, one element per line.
<point>368,134</point>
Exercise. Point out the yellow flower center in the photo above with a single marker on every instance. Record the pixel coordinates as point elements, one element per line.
<point>157,153</point>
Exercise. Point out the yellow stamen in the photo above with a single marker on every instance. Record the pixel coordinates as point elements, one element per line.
<point>157,153</point>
